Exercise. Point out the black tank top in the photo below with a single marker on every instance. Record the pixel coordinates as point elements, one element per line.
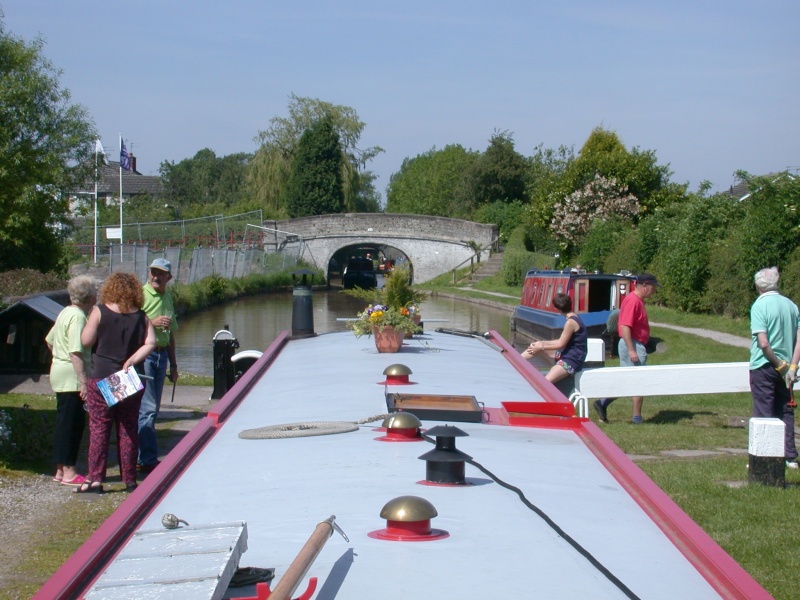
<point>119,336</point>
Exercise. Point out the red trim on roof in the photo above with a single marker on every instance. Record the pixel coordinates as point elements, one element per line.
<point>722,572</point>
<point>76,576</point>
<point>713,563</point>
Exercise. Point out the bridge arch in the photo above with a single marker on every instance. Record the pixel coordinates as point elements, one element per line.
<point>434,245</point>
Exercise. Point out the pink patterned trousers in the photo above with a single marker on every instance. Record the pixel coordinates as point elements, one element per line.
<point>125,416</point>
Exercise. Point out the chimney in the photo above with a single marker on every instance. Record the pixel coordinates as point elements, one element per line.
<point>133,162</point>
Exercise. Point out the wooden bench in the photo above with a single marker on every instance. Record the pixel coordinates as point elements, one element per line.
<point>659,380</point>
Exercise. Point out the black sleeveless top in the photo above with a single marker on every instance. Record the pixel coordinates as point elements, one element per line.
<point>119,336</point>
<point>574,353</point>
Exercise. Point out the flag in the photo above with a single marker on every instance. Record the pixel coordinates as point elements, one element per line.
<point>98,147</point>
<point>124,159</point>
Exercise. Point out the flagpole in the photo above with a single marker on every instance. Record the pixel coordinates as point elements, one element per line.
<point>120,198</point>
<point>95,201</point>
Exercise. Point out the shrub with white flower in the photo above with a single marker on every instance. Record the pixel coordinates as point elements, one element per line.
<point>602,198</point>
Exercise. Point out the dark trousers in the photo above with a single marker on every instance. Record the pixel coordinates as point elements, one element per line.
<point>70,423</point>
<point>770,399</point>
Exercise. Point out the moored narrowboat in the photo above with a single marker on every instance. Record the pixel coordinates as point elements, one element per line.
<point>594,296</point>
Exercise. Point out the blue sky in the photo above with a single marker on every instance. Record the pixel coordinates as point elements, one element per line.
<point>710,86</point>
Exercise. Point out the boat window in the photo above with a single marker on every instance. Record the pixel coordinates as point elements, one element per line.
<point>541,295</point>
<point>581,295</point>
<point>549,294</point>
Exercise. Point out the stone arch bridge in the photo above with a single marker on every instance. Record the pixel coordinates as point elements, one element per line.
<point>434,245</point>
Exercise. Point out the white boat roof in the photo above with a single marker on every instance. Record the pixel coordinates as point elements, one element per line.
<point>497,546</point>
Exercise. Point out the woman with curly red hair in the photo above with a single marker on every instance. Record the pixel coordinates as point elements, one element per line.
<point>121,336</point>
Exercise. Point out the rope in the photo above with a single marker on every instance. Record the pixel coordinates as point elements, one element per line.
<point>306,429</point>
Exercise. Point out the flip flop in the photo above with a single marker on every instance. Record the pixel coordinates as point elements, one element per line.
<point>57,479</point>
<point>77,480</point>
<point>87,487</point>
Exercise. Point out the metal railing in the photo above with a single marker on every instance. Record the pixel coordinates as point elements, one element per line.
<point>475,259</point>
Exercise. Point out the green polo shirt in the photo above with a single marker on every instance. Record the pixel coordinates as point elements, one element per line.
<point>778,317</point>
<point>159,305</point>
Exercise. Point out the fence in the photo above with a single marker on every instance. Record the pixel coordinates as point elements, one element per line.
<point>193,264</point>
<point>212,230</point>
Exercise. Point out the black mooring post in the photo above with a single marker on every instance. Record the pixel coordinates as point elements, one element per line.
<point>224,376</point>
<point>302,304</point>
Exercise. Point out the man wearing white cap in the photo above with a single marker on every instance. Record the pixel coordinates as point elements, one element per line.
<point>160,310</point>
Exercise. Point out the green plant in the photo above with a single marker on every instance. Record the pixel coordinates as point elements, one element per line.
<point>397,292</point>
<point>21,282</point>
<point>393,305</point>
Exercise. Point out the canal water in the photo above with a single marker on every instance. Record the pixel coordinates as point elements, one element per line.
<point>255,321</point>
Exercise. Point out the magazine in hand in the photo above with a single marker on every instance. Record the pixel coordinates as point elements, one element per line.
<point>120,385</point>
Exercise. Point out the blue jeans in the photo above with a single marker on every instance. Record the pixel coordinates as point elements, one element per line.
<point>155,366</point>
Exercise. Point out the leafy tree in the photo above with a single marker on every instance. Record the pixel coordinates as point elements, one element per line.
<point>601,240</point>
<point>196,183</point>
<point>432,183</point>
<point>687,236</point>
<point>770,231</point>
<point>315,184</point>
<point>271,166</point>
<point>506,215</point>
<point>46,148</point>
<point>366,197</point>
<point>497,175</point>
<point>602,154</point>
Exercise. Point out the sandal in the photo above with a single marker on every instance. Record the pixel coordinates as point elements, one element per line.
<point>77,480</point>
<point>89,487</point>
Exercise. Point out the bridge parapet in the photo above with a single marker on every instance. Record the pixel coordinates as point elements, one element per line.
<point>391,224</point>
<point>434,245</point>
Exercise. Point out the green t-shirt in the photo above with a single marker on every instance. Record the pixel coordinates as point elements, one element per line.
<point>777,316</point>
<point>159,305</point>
<point>65,338</point>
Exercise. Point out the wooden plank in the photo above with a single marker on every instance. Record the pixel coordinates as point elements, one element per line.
<point>188,562</point>
<point>664,380</point>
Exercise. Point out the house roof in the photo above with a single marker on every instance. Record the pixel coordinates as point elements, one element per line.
<point>742,190</point>
<point>133,182</point>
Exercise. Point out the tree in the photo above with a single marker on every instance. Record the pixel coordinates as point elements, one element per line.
<point>270,168</point>
<point>432,183</point>
<point>205,179</point>
<point>46,149</point>
<point>315,184</point>
<point>498,175</point>
<point>602,154</point>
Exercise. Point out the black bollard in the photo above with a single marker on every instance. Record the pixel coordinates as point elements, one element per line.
<point>302,304</point>
<point>224,345</point>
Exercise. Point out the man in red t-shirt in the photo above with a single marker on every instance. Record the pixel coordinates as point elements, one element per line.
<point>634,333</point>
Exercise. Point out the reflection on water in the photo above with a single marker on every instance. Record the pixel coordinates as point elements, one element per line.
<point>256,321</point>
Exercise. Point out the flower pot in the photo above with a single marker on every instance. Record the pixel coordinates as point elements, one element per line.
<point>388,340</point>
<point>416,319</point>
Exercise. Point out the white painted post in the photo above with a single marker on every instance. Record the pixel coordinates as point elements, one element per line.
<point>765,448</point>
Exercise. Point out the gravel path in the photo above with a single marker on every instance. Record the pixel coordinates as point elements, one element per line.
<point>722,338</point>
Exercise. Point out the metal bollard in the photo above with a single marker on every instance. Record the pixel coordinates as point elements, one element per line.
<point>224,376</point>
<point>302,304</point>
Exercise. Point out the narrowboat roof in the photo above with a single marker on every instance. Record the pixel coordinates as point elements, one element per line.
<point>549,507</point>
<point>582,273</point>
